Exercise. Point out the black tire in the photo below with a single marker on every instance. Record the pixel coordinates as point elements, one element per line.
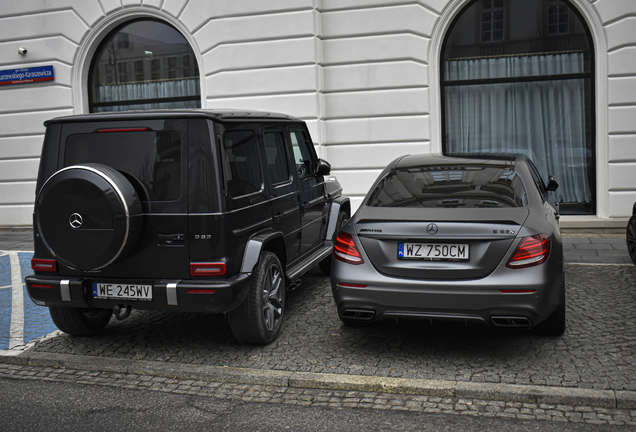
<point>325,264</point>
<point>259,319</point>
<point>88,216</point>
<point>631,238</point>
<point>80,322</point>
<point>555,324</point>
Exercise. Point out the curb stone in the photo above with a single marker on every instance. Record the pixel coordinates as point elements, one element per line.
<point>308,380</point>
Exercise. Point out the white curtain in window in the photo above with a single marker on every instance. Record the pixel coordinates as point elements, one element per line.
<point>150,90</point>
<point>542,119</point>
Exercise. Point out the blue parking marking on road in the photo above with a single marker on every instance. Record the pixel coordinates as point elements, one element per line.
<point>5,271</point>
<point>5,301</point>
<point>34,321</point>
<point>37,321</point>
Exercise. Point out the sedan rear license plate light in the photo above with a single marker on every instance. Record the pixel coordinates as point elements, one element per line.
<point>122,291</point>
<point>425,251</point>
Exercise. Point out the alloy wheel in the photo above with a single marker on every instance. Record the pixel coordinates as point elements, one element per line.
<point>273,298</point>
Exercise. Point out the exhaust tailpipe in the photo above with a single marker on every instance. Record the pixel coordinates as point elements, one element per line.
<point>510,321</point>
<point>358,314</point>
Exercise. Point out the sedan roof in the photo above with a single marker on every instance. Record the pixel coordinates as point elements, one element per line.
<point>489,159</point>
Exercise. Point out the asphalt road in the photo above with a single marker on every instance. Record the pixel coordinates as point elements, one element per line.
<point>53,406</point>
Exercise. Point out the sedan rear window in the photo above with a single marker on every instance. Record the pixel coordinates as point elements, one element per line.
<point>150,160</point>
<point>443,186</point>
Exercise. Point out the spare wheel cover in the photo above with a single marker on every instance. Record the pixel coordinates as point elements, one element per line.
<point>88,216</point>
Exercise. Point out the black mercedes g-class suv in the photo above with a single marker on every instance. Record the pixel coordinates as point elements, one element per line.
<point>186,211</point>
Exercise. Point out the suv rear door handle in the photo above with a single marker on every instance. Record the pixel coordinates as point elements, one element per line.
<point>171,240</point>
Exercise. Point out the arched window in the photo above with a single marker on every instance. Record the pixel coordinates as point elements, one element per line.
<point>144,64</point>
<point>517,76</point>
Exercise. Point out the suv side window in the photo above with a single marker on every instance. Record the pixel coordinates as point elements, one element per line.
<point>276,157</point>
<point>241,163</point>
<point>305,163</point>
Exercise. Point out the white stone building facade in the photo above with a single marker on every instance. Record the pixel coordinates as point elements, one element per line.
<point>364,74</point>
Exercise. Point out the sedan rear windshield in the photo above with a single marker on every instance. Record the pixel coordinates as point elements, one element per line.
<point>444,186</point>
<point>150,160</point>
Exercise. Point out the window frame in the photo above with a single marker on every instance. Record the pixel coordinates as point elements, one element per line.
<point>312,155</point>
<point>93,105</point>
<point>589,78</point>
<point>225,164</point>
<point>290,176</point>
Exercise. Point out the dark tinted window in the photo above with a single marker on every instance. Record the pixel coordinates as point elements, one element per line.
<point>305,164</point>
<point>537,180</point>
<point>468,186</point>
<point>277,167</point>
<point>241,163</point>
<point>151,160</point>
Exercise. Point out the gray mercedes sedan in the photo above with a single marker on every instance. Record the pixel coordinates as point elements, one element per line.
<point>473,238</point>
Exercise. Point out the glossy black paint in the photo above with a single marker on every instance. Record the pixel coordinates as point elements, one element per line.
<point>205,224</point>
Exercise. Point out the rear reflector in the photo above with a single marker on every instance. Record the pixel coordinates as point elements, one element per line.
<point>351,285</point>
<point>207,269</point>
<point>41,286</point>
<point>122,130</point>
<point>532,251</point>
<point>200,291</point>
<point>44,265</point>
<point>345,249</point>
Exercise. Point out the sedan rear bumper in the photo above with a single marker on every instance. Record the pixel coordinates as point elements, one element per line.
<point>506,297</point>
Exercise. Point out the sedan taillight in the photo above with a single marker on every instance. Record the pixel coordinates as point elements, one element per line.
<point>345,249</point>
<point>532,250</point>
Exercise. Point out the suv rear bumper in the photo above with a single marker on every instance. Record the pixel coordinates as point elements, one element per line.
<point>198,296</point>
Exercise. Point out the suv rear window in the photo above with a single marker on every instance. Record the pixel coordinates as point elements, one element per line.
<point>151,160</point>
<point>463,186</point>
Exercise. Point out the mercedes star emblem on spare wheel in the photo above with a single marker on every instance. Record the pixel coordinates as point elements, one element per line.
<point>431,229</point>
<point>75,220</point>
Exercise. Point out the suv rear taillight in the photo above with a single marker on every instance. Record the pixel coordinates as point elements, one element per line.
<point>345,249</point>
<point>44,265</point>
<point>208,269</point>
<point>532,250</point>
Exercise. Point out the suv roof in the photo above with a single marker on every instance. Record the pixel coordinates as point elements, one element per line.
<point>225,114</point>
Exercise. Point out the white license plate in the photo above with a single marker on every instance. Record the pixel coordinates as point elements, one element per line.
<point>122,291</point>
<point>433,251</point>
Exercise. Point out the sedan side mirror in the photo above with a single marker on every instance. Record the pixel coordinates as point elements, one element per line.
<point>323,168</point>
<point>553,183</point>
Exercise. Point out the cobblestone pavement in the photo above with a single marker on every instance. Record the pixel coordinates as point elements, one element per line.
<point>598,350</point>
<point>596,250</point>
<point>330,398</point>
